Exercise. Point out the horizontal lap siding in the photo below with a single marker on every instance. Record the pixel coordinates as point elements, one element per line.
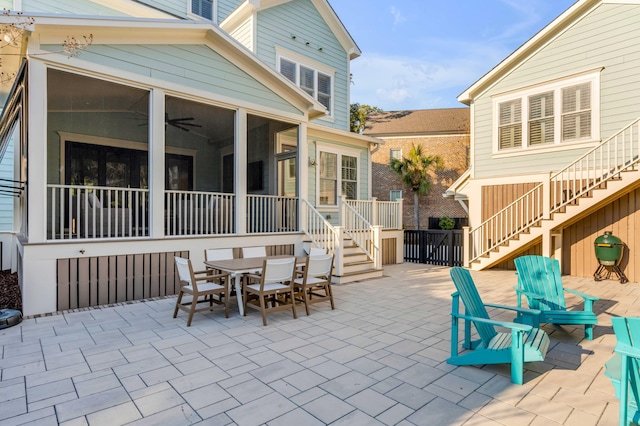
<point>608,37</point>
<point>193,66</point>
<point>275,27</point>
<point>244,34</point>
<point>622,218</point>
<point>68,7</point>
<point>174,7</point>
<point>225,7</point>
<point>92,281</point>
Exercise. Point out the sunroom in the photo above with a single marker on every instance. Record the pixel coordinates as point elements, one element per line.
<point>99,172</point>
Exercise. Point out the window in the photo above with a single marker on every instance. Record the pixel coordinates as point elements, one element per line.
<point>337,170</point>
<point>576,112</point>
<point>202,8</point>
<point>395,153</point>
<point>350,177</point>
<point>510,135</point>
<point>395,194</point>
<point>541,119</point>
<point>549,114</point>
<point>315,83</point>
<point>328,178</point>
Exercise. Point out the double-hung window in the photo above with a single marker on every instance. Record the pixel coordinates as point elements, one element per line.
<point>548,115</point>
<point>202,8</point>
<point>337,176</point>
<point>316,80</point>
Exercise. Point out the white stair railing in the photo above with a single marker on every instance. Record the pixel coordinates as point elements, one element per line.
<point>317,228</point>
<point>364,235</point>
<point>604,162</point>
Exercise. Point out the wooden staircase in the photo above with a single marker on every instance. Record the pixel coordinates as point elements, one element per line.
<point>596,178</point>
<point>355,258</point>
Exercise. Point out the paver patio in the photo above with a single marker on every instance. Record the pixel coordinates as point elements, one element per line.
<point>378,358</point>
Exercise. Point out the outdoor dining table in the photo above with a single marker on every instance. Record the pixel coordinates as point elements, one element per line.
<point>237,267</point>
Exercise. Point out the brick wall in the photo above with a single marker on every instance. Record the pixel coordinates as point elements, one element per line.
<point>452,150</point>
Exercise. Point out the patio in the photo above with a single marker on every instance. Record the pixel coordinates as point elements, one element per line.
<point>379,358</point>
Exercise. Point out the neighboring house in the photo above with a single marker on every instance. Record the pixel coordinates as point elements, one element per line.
<point>185,125</point>
<point>443,132</point>
<point>555,143</point>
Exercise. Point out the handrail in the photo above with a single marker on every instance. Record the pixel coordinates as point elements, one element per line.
<point>604,162</point>
<point>600,164</point>
<point>317,228</point>
<point>358,228</point>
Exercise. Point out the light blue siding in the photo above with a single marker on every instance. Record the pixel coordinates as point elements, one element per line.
<point>277,25</point>
<point>6,201</point>
<point>193,66</point>
<point>67,7</point>
<point>606,38</point>
<point>225,7</point>
<point>175,7</point>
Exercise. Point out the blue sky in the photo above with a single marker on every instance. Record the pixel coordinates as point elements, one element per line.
<point>421,54</point>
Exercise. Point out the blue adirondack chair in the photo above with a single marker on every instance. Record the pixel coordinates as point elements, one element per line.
<point>624,368</point>
<point>521,344</point>
<point>540,281</point>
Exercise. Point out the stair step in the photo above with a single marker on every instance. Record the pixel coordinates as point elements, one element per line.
<point>349,277</point>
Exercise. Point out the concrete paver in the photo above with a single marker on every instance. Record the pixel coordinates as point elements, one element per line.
<point>378,358</point>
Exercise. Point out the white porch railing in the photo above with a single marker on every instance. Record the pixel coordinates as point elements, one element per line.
<point>199,213</point>
<point>387,214</point>
<point>77,212</point>
<point>271,213</point>
<point>604,162</point>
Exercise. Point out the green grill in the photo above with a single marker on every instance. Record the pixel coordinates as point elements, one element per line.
<point>609,250</point>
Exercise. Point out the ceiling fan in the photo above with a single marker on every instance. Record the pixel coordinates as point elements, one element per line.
<point>182,123</point>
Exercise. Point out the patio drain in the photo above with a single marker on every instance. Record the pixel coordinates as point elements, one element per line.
<point>9,317</point>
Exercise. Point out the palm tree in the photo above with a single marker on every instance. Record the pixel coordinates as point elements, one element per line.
<point>414,171</point>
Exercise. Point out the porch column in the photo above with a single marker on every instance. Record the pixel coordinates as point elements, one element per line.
<point>37,149</point>
<point>303,174</point>
<point>303,158</point>
<point>240,172</point>
<point>156,164</point>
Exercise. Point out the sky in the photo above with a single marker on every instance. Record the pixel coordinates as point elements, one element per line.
<point>421,54</point>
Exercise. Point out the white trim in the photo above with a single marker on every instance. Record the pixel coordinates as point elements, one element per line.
<point>555,86</point>
<point>545,36</point>
<point>131,8</point>
<point>339,151</point>
<point>451,135</point>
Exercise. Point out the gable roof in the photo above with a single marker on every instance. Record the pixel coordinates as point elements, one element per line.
<point>111,30</point>
<point>444,121</point>
<point>249,7</point>
<point>574,13</point>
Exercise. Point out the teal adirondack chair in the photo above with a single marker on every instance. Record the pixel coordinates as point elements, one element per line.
<point>521,344</point>
<point>540,281</point>
<point>624,368</point>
